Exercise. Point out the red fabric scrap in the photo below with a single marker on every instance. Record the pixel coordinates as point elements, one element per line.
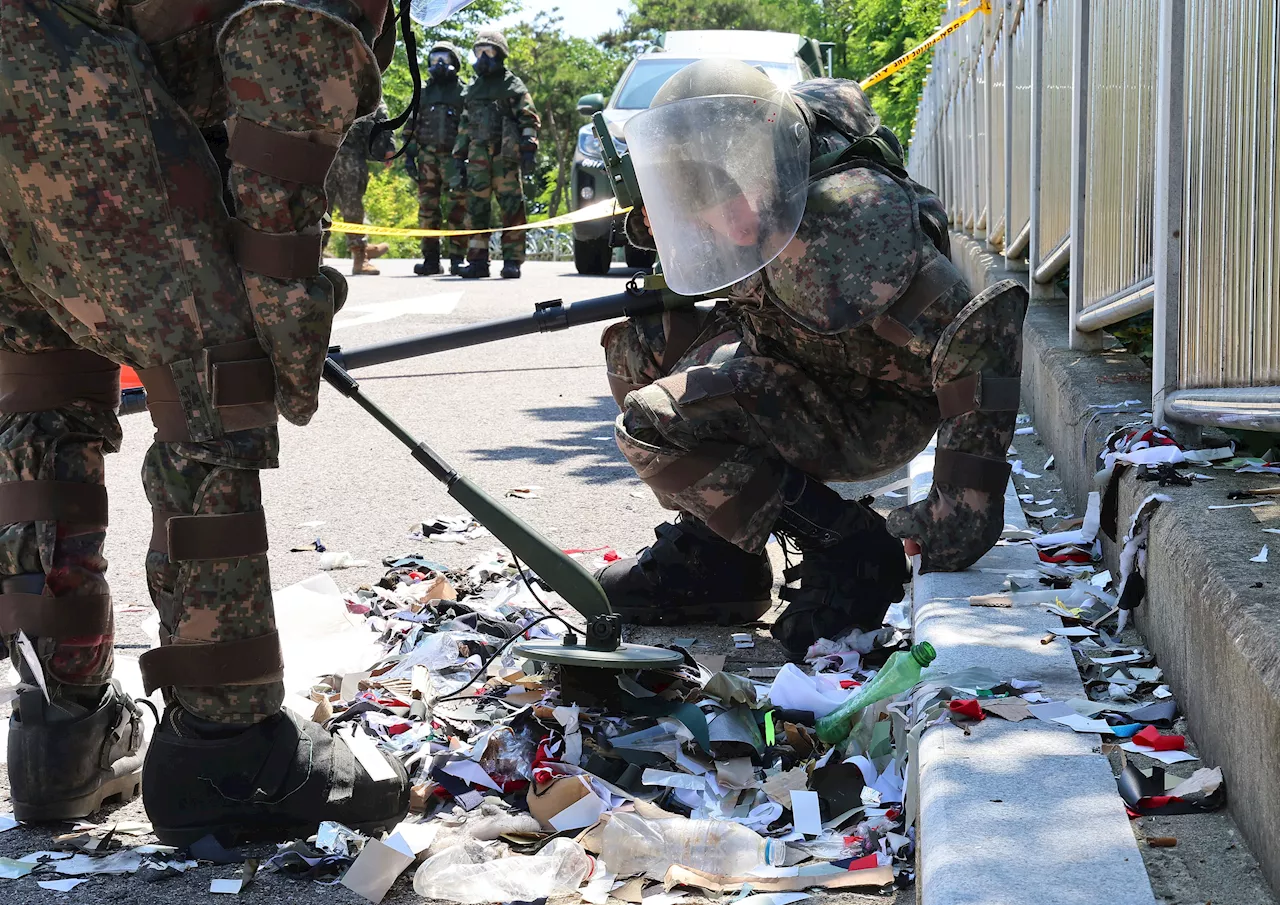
<point>1157,801</point>
<point>968,707</point>
<point>866,862</point>
<point>1151,738</point>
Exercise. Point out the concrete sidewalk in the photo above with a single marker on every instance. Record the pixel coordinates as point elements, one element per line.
<point>1023,812</point>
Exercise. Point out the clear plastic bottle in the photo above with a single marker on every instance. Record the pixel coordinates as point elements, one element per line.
<point>634,845</point>
<point>472,874</point>
<point>899,673</point>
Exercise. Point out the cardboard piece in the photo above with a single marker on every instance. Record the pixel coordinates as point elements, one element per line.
<point>632,891</point>
<point>1012,709</point>
<point>375,869</point>
<point>547,801</point>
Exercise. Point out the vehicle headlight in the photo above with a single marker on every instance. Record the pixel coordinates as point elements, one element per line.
<point>588,144</point>
<point>586,193</point>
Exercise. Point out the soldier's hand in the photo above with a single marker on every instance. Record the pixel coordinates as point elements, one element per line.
<point>645,214</point>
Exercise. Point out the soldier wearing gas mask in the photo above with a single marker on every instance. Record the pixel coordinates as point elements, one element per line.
<point>845,339</point>
<point>429,139</point>
<point>496,142</point>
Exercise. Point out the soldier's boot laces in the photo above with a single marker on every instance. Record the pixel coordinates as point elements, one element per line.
<point>851,568</point>
<point>428,267</point>
<point>689,575</point>
<point>475,269</point>
<point>455,265</point>
<point>71,755</point>
<point>511,270</point>
<point>376,251</point>
<point>276,779</point>
<point>360,265</point>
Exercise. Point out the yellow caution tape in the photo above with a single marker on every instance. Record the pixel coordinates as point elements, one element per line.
<point>902,61</point>
<point>598,211</point>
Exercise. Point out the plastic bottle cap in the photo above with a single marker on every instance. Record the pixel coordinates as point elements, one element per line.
<point>924,653</point>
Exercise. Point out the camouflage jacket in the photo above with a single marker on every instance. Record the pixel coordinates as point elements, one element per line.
<point>498,112</point>
<point>439,114</point>
<point>865,289</point>
<point>355,147</point>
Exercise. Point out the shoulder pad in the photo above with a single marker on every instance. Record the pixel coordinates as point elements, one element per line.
<point>842,103</point>
<point>856,251</point>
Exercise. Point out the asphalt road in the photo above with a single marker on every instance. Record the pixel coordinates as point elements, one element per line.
<point>534,410</point>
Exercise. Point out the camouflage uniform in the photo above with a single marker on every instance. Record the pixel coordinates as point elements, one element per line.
<point>116,247</point>
<point>434,132</point>
<point>841,358</point>
<point>349,176</point>
<point>498,120</point>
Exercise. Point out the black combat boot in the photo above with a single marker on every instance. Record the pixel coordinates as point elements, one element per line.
<point>475,268</point>
<point>455,265</point>
<point>275,780</point>
<point>429,267</point>
<point>511,270</point>
<point>689,575</point>
<point>851,567</point>
<point>66,759</point>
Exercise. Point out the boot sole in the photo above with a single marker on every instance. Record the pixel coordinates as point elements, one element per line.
<point>721,613</point>
<point>120,789</point>
<point>232,834</point>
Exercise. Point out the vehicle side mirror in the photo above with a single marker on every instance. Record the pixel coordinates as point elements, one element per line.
<point>590,104</point>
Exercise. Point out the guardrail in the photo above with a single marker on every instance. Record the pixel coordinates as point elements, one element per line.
<point>1081,135</point>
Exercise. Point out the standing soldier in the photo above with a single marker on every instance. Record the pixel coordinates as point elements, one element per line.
<point>497,138</point>
<point>117,247</point>
<point>429,138</point>
<point>349,177</point>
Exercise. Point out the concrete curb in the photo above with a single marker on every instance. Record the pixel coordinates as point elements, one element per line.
<point>1021,812</point>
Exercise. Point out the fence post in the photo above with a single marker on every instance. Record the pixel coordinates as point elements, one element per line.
<point>983,159</point>
<point>1007,39</point>
<point>1167,227</point>
<point>1036,24</point>
<point>1079,172</point>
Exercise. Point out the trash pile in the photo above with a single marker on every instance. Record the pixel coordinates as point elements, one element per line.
<point>530,779</point>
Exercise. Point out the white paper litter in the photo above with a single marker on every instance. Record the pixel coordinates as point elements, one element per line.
<point>1162,692</point>
<point>1240,505</point>
<point>7,822</point>
<point>339,559</point>
<point>805,812</point>
<point>1042,513</point>
<point>319,635</point>
<point>743,640</point>
<point>793,689</point>
<point>59,885</point>
<point>1085,534</point>
<point>125,862</point>
<point>1262,555</point>
<point>1165,757</point>
<point>1024,431</point>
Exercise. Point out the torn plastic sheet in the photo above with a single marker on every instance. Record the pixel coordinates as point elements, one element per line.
<point>1133,556</point>
<point>1153,793</point>
<point>1084,535</point>
<point>841,879</point>
<point>320,636</point>
<point>792,689</point>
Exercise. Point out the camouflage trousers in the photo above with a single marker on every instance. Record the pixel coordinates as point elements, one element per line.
<point>492,177</point>
<point>438,179</point>
<point>708,424</point>
<point>116,248</point>
<point>345,187</point>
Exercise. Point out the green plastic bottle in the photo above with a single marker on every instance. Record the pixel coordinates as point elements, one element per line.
<point>899,673</point>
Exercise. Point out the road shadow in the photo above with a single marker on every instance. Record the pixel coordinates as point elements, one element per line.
<point>587,452</point>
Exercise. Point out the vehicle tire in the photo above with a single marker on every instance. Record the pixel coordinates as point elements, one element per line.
<point>593,256</point>
<point>641,258</point>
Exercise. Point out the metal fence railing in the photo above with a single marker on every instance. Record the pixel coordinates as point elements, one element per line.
<point>1088,133</point>
<point>1019,128</point>
<point>1116,247</point>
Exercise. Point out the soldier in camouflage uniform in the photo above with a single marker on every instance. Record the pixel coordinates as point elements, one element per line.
<point>496,142</point>
<point>835,361</point>
<point>117,247</point>
<point>349,177</point>
<point>429,139</point>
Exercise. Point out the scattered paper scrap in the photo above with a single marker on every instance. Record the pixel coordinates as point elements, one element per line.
<point>7,822</point>
<point>805,812</point>
<point>59,885</point>
<point>1262,555</point>
<point>743,640</point>
<point>12,870</point>
<point>1239,505</point>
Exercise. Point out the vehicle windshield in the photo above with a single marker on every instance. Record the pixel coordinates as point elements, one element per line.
<point>651,73</point>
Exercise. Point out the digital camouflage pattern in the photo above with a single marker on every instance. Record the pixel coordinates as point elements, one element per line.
<point>349,176</point>
<point>793,366</point>
<point>114,237</point>
<point>499,121</point>
<point>431,142</point>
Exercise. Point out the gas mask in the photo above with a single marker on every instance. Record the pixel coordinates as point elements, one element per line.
<point>488,60</point>
<point>441,67</point>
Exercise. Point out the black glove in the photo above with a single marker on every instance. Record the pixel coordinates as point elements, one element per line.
<point>528,159</point>
<point>462,171</point>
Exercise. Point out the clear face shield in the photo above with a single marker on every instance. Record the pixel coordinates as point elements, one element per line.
<point>432,12</point>
<point>724,181</point>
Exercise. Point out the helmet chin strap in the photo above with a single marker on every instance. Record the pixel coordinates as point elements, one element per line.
<point>411,51</point>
